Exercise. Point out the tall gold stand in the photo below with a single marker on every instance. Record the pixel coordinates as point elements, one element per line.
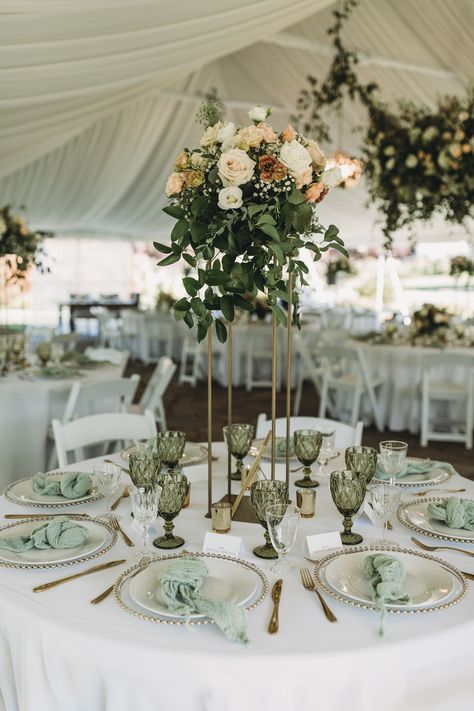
<point>288,377</point>
<point>209,421</point>
<point>274,372</point>
<point>229,403</point>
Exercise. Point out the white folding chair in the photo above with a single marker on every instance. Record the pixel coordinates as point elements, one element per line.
<point>109,355</point>
<point>152,398</point>
<point>129,329</point>
<point>307,367</point>
<point>109,326</point>
<point>193,360</point>
<point>259,353</point>
<point>448,378</point>
<point>97,429</point>
<point>345,373</point>
<point>345,435</point>
<point>160,335</point>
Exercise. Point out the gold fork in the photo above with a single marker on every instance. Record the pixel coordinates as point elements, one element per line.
<point>441,548</point>
<point>123,495</point>
<point>431,491</point>
<point>88,571</point>
<point>143,564</point>
<point>115,524</point>
<point>309,583</point>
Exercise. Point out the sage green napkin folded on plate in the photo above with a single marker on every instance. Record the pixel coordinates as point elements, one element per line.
<point>385,574</point>
<point>181,592</point>
<point>72,485</point>
<point>455,513</point>
<point>60,532</point>
<point>414,467</point>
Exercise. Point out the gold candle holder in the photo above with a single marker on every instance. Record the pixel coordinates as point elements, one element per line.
<point>306,502</point>
<point>221,516</point>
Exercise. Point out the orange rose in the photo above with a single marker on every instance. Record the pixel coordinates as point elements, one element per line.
<point>289,134</point>
<point>271,169</point>
<point>316,192</point>
<point>268,134</point>
<point>303,178</point>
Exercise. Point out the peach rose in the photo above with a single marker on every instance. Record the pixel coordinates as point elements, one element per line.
<point>268,134</point>
<point>181,162</point>
<point>303,178</point>
<point>248,137</point>
<point>317,156</point>
<point>316,192</point>
<point>174,184</point>
<point>289,134</point>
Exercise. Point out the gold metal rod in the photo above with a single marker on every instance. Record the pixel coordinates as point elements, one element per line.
<point>288,377</point>
<point>209,420</point>
<point>229,402</point>
<point>274,371</point>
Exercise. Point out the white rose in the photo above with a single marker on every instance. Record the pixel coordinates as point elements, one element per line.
<point>295,157</point>
<point>331,177</point>
<point>259,113</point>
<point>230,198</point>
<point>235,167</point>
<point>225,135</point>
<point>209,137</point>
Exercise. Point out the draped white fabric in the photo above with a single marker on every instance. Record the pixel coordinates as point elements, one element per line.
<point>97,97</point>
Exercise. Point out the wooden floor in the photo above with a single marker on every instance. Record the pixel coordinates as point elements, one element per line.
<point>186,409</point>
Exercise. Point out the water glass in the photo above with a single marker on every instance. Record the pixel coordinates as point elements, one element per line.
<point>393,455</point>
<point>282,521</point>
<point>348,492</point>
<point>327,451</point>
<point>174,487</point>
<point>362,459</point>
<point>145,510</point>
<point>385,500</point>
<point>239,438</point>
<point>145,465</point>
<point>264,494</point>
<point>307,447</point>
<point>107,479</point>
<point>171,445</point>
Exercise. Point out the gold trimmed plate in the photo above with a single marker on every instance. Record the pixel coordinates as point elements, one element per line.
<point>193,454</point>
<point>436,476</point>
<point>21,492</point>
<point>415,516</point>
<point>280,449</point>
<point>458,586</point>
<point>124,598</point>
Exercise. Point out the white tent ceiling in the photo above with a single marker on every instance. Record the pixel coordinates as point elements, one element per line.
<point>98,96</point>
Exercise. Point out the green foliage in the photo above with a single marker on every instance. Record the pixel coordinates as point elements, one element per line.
<point>211,110</point>
<point>20,247</point>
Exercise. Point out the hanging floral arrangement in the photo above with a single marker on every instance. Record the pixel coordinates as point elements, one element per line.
<point>20,247</point>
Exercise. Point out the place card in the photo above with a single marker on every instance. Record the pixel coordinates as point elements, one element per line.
<point>322,542</point>
<point>223,544</point>
<point>370,513</point>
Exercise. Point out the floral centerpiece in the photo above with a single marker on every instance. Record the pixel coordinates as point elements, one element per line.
<point>336,266</point>
<point>245,204</point>
<point>20,247</point>
<point>430,322</point>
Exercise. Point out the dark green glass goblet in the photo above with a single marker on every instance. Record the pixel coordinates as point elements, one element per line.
<point>239,438</point>
<point>307,447</point>
<point>173,493</point>
<point>363,460</point>
<point>263,494</point>
<point>348,492</point>
<point>171,445</point>
<point>145,465</point>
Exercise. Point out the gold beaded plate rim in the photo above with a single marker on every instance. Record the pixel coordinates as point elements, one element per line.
<point>81,559</point>
<point>402,517</point>
<point>457,596</point>
<point>429,483</point>
<point>167,621</point>
<point>47,505</point>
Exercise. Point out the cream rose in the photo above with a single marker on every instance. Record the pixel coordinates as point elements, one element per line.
<point>295,157</point>
<point>317,156</point>
<point>248,137</point>
<point>230,198</point>
<point>259,113</point>
<point>225,135</point>
<point>209,137</point>
<point>268,134</point>
<point>174,184</point>
<point>303,178</point>
<point>331,177</point>
<point>235,167</point>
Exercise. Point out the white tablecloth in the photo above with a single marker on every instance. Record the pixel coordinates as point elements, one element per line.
<point>26,410</point>
<point>57,652</point>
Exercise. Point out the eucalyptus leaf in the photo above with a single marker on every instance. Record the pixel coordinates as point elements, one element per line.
<point>227,307</point>
<point>170,259</point>
<point>160,247</point>
<point>221,331</point>
<point>180,229</point>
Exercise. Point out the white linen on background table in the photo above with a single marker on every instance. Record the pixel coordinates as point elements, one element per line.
<point>59,653</point>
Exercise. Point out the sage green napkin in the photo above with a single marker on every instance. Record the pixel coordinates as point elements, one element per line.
<point>385,574</point>
<point>280,447</point>
<point>72,485</point>
<point>455,513</point>
<point>60,532</point>
<point>413,467</point>
<point>180,591</point>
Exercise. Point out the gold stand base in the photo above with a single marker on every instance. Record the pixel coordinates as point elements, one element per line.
<point>245,511</point>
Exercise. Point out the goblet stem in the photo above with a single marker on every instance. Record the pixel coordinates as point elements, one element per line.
<point>169,525</point>
<point>347,523</point>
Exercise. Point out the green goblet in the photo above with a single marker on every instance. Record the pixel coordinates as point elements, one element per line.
<point>239,439</point>
<point>307,448</point>
<point>173,493</point>
<point>363,460</point>
<point>171,446</point>
<point>348,491</point>
<point>145,465</point>
<point>264,494</point>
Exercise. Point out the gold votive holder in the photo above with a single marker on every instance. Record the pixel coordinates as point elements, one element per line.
<point>306,502</point>
<point>221,516</point>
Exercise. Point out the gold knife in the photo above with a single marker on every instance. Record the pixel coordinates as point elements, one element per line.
<point>94,569</point>
<point>46,515</point>
<point>276,594</point>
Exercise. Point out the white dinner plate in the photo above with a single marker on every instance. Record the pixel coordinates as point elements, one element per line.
<point>227,580</point>
<point>193,453</point>
<point>280,449</point>
<point>426,581</point>
<point>438,475</point>
<point>21,492</point>
<point>98,537</point>
<point>415,515</point>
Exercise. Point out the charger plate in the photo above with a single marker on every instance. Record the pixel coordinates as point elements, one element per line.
<point>439,475</point>
<point>100,540</point>
<point>415,515</point>
<point>21,492</point>
<point>193,454</point>
<point>280,445</point>
<point>125,589</point>
<point>433,583</point>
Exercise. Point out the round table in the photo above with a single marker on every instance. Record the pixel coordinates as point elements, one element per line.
<point>27,406</point>
<point>59,652</point>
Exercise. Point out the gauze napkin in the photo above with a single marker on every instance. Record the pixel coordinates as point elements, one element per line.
<point>385,574</point>
<point>72,485</point>
<point>181,591</point>
<point>60,532</point>
<point>413,467</point>
<point>456,513</point>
